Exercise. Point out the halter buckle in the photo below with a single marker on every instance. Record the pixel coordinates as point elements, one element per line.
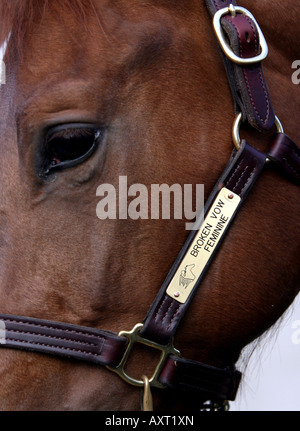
<point>133,337</point>
<point>233,10</point>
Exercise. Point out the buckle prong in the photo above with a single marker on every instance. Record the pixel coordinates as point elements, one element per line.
<point>133,337</point>
<point>232,10</point>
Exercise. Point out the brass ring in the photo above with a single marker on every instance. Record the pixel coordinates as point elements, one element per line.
<point>237,125</point>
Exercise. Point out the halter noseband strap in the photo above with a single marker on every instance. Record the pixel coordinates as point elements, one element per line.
<point>100,347</point>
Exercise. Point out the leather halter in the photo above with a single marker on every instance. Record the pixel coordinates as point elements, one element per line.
<point>241,48</point>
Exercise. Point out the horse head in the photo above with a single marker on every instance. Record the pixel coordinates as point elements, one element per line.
<point>96,90</point>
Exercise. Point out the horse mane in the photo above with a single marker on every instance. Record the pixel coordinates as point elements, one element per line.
<point>17,17</point>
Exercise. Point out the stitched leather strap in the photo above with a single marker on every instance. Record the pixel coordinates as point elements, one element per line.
<point>166,313</point>
<point>61,339</point>
<point>105,348</point>
<point>247,82</point>
<point>211,382</point>
<point>286,156</point>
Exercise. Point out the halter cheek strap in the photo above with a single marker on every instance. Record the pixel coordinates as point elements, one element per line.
<point>236,181</point>
<point>245,166</point>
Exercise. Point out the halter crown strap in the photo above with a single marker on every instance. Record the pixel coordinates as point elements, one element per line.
<point>286,156</point>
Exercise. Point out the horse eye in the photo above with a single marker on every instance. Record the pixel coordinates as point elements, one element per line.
<point>69,145</point>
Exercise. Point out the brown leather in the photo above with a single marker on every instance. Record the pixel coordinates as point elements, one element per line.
<point>166,313</point>
<point>248,86</point>
<point>286,156</point>
<point>211,382</point>
<point>62,339</point>
<point>105,348</point>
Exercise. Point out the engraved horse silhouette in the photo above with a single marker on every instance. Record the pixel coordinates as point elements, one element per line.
<point>186,276</point>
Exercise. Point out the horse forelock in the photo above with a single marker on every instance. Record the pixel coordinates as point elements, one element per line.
<point>18,17</point>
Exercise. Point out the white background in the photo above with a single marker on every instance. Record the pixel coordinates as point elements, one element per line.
<point>271,381</point>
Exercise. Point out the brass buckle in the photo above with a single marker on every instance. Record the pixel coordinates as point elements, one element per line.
<point>135,337</point>
<point>233,10</point>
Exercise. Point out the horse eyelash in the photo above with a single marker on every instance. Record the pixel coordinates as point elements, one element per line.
<point>70,133</point>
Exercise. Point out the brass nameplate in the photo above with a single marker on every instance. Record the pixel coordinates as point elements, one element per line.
<point>205,242</point>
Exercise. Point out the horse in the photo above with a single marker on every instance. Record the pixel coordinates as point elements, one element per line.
<point>145,79</point>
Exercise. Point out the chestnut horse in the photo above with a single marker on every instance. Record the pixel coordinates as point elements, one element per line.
<point>146,76</point>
